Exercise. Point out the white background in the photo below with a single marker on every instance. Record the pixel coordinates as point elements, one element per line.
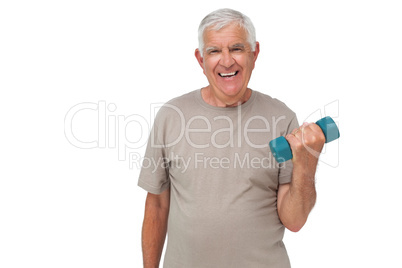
<point>62,206</point>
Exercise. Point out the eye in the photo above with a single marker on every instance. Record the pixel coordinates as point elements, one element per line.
<point>237,49</point>
<point>213,51</point>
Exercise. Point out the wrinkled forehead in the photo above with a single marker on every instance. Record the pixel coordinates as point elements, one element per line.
<point>231,33</point>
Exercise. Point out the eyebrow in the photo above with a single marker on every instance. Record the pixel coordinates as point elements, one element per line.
<point>238,45</point>
<point>209,49</point>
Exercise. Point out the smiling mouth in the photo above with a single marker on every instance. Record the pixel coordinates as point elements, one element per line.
<point>228,75</point>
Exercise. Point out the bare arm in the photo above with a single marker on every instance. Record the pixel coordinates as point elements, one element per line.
<point>155,227</point>
<point>297,199</point>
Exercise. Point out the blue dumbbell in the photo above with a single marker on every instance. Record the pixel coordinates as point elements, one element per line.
<point>280,147</point>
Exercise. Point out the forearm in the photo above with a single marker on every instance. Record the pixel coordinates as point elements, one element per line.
<point>298,201</point>
<point>153,235</point>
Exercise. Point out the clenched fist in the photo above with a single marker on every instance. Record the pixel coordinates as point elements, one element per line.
<point>306,143</point>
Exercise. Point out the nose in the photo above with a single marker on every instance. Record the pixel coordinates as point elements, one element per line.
<point>226,58</point>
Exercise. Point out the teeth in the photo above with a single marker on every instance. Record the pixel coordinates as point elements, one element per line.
<point>228,74</point>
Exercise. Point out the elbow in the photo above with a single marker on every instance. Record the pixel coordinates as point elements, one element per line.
<point>294,228</point>
<point>296,225</point>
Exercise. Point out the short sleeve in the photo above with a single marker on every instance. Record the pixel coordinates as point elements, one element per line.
<point>286,168</point>
<point>154,175</point>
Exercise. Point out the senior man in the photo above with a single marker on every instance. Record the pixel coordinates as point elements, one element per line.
<point>213,185</point>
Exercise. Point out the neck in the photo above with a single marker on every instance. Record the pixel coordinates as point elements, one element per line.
<point>209,97</point>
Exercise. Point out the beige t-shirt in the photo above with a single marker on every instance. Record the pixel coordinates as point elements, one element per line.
<point>223,180</point>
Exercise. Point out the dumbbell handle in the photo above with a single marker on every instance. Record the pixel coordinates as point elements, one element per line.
<point>280,147</point>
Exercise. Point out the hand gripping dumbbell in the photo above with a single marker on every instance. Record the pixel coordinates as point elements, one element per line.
<point>280,147</point>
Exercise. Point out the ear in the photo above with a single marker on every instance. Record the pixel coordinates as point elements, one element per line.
<point>256,52</point>
<point>199,58</point>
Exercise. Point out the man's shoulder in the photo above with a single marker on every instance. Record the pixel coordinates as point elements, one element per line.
<point>183,100</point>
<point>177,107</point>
<point>274,105</point>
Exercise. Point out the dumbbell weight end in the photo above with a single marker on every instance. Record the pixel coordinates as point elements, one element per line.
<point>280,147</point>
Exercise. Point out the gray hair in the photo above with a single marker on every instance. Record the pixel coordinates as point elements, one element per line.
<point>223,17</point>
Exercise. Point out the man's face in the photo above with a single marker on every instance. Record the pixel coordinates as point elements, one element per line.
<point>228,63</point>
